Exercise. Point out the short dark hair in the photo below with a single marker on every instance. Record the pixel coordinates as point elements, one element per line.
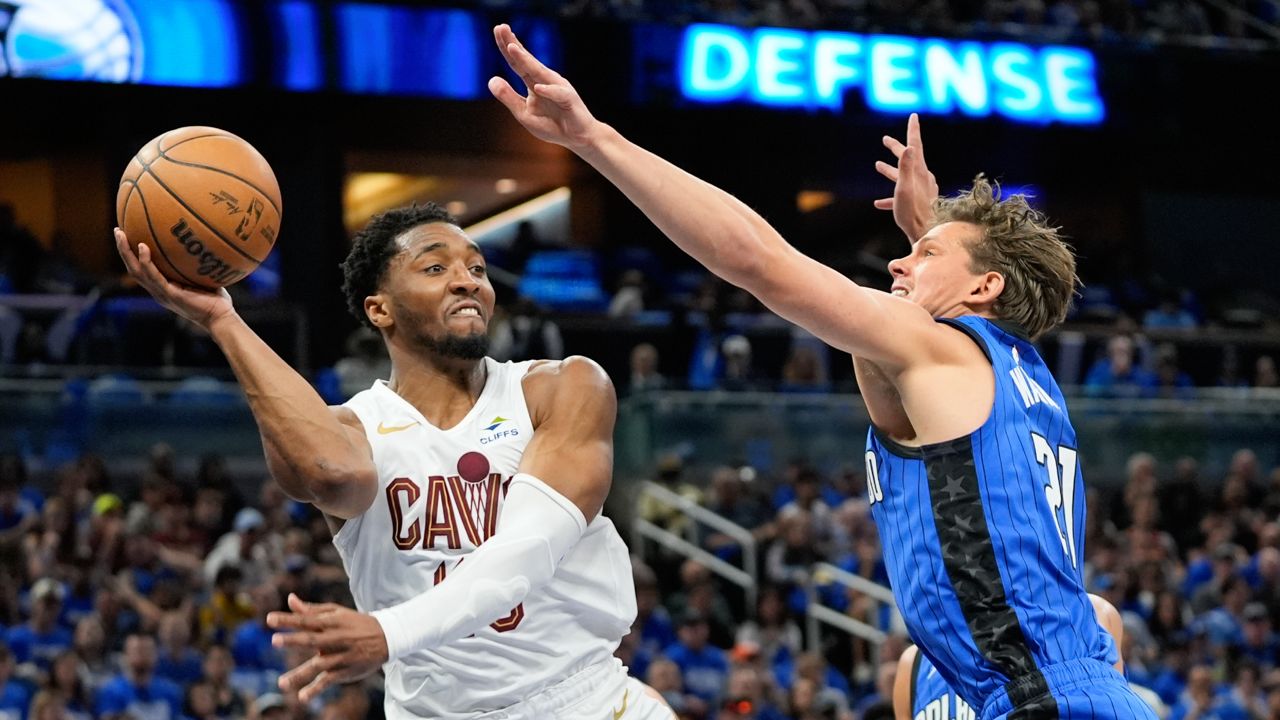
<point>373,247</point>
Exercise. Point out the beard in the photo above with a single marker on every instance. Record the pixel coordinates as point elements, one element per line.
<point>461,347</point>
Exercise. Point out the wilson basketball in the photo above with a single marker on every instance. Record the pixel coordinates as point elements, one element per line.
<point>205,202</point>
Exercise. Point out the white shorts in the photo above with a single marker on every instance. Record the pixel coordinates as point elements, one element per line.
<point>602,691</point>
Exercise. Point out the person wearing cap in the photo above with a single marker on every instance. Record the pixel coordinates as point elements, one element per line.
<point>242,546</point>
<point>270,706</point>
<point>40,639</point>
<point>1259,641</point>
<point>704,666</point>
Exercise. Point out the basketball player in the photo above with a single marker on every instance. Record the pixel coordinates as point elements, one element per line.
<point>456,457</point>
<point>920,693</point>
<point>972,466</point>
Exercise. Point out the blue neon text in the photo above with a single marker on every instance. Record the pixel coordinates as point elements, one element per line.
<point>895,74</point>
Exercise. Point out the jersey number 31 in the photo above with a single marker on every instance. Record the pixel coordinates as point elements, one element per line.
<point>1060,490</point>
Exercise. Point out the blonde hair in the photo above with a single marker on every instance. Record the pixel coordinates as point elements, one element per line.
<point>1018,242</point>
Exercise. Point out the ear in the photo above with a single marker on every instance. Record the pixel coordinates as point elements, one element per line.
<point>987,288</point>
<point>378,311</point>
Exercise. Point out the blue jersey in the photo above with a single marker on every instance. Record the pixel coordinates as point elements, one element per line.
<point>984,535</point>
<point>932,698</point>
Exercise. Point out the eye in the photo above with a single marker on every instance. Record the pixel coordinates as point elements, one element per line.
<point>432,269</point>
<point>928,253</point>
<point>478,269</point>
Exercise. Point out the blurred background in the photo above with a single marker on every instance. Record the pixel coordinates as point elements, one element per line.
<point>142,542</point>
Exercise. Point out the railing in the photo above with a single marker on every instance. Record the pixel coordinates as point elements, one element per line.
<point>745,577</point>
<point>822,574</point>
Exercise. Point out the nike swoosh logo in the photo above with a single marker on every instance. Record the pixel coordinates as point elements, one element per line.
<point>618,713</point>
<point>384,430</point>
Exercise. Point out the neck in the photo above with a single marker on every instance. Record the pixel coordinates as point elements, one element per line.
<point>442,389</point>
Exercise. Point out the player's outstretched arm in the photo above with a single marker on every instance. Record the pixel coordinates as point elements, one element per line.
<point>318,455</point>
<point>564,476</point>
<point>902,684</point>
<point>914,188</point>
<point>715,228</point>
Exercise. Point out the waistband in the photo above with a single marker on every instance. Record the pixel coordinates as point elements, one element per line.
<point>1058,677</point>
<point>549,702</point>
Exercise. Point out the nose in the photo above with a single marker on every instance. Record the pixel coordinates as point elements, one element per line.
<point>462,282</point>
<point>898,267</point>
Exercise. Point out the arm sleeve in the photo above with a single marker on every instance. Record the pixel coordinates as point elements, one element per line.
<point>538,527</point>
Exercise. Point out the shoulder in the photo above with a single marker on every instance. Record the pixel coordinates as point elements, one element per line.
<point>575,379</point>
<point>346,416</point>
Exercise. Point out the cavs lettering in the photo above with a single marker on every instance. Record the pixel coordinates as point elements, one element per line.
<point>456,506</point>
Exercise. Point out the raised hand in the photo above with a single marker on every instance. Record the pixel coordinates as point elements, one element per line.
<point>349,645</point>
<point>201,307</point>
<point>915,188</point>
<point>552,111</point>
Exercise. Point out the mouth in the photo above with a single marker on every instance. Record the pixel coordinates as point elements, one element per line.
<point>899,291</point>
<point>466,310</point>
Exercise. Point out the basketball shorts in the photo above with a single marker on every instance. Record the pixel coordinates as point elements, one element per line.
<point>602,691</point>
<point>1078,690</point>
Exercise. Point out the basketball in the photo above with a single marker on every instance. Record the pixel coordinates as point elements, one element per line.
<point>204,201</point>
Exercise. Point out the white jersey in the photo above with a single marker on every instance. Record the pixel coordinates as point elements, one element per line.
<point>441,494</point>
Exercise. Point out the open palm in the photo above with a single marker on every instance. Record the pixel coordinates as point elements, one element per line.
<point>553,111</point>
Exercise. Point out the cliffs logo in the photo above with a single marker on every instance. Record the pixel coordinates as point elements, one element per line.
<point>70,40</point>
<point>499,428</point>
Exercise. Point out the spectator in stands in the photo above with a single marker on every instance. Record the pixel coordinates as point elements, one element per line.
<point>1182,503</point>
<point>178,661</point>
<point>40,640</point>
<point>136,691</point>
<point>1259,642</point>
<point>217,675</point>
<point>738,373</point>
<point>17,515</point>
<point>251,646</point>
<point>1202,701</point>
<point>1171,382</point>
<point>664,677</point>
<point>671,477</point>
<point>731,498</point>
<point>526,332</point>
<point>1118,374</point>
<point>1264,373</point>
<point>883,695</point>
<point>832,688</point>
<point>804,371</point>
<point>227,607</point>
<point>629,299</point>
<point>653,627</point>
<point>699,595</point>
<point>809,498</point>
<point>1224,625</point>
<point>242,547</point>
<point>703,666</point>
<point>790,556</point>
<point>21,254</point>
<point>773,631</point>
<point>90,645</point>
<point>15,695</point>
<point>67,682</point>
<point>199,703</point>
<point>366,361</point>
<point>747,697</point>
<point>644,369</point>
<point>1169,314</point>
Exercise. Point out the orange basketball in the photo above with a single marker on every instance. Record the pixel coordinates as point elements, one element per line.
<point>204,201</point>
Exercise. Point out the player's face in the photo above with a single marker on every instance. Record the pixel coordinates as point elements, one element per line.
<point>937,275</point>
<point>440,291</point>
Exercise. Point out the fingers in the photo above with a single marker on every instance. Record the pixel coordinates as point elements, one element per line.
<point>894,146</point>
<point>558,93</point>
<point>529,67</point>
<point>311,622</point>
<point>297,604</point>
<point>502,90</point>
<point>503,36</point>
<point>150,272</point>
<point>884,204</point>
<point>317,686</point>
<point>913,133</point>
<point>887,170</point>
<point>126,254</point>
<point>307,672</point>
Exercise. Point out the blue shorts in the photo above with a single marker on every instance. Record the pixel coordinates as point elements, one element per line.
<point>1078,690</point>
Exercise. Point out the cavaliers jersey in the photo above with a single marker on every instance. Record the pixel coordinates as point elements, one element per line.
<point>932,698</point>
<point>983,535</point>
<point>441,493</point>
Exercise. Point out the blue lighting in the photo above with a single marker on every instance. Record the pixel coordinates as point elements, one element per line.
<point>898,75</point>
<point>296,30</point>
<point>194,43</point>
